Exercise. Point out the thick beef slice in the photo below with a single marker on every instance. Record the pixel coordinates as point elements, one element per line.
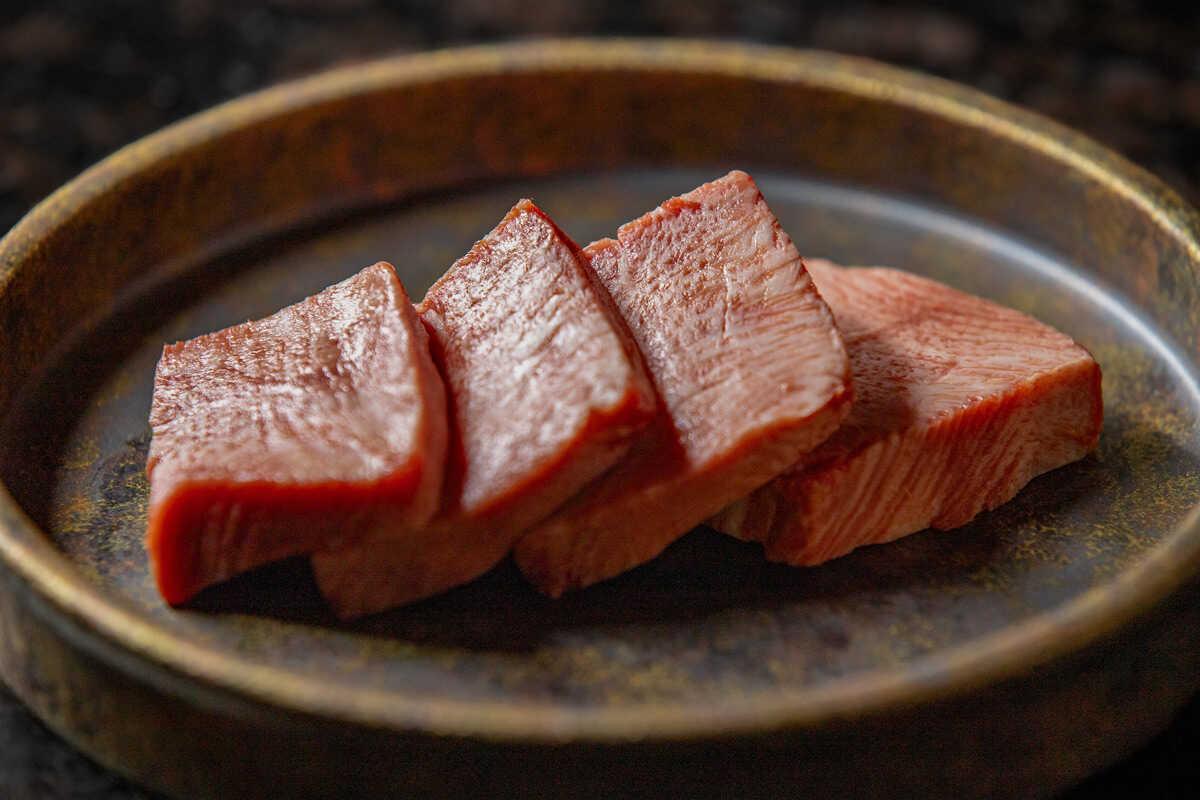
<point>547,391</point>
<point>288,434</point>
<point>750,371</point>
<point>960,402</point>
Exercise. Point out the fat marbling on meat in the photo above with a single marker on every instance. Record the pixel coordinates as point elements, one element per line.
<point>280,436</point>
<point>546,392</point>
<point>750,370</point>
<point>959,403</point>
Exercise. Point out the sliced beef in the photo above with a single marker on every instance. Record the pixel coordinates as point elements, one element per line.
<point>547,391</point>
<point>288,434</point>
<point>960,402</point>
<point>750,370</point>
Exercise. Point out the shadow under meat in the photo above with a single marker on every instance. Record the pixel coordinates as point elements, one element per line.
<point>703,574</point>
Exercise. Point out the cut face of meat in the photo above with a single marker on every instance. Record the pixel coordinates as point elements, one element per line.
<point>960,402</point>
<point>546,391</point>
<point>281,436</point>
<point>747,362</point>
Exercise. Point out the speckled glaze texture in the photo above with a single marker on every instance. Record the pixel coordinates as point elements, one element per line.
<point>1043,640</point>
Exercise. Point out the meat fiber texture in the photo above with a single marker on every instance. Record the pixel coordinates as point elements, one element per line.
<point>284,435</point>
<point>750,370</point>
<point>960,402</point>
<point>547,391</point>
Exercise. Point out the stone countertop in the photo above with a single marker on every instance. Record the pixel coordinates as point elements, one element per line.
<point>78,80</point>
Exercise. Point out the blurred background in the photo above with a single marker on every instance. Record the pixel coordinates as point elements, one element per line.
<point>80,79</point>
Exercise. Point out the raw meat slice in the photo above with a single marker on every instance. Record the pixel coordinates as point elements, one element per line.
<point>281,436</point>
<point>747,362</point>
<point>547,392</point>
<point>959,403</point>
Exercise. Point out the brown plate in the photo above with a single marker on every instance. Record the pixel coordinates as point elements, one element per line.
<point>1009,657</point>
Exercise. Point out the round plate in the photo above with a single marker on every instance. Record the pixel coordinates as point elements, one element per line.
<point>1009,657</point>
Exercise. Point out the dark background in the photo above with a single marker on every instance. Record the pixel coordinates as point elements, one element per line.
<point>78,80</point>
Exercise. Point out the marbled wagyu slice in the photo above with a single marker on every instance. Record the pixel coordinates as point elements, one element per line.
<point>288,434</point>
<point>959,403</point>
<point>747,362</point>
<point>547,391</point>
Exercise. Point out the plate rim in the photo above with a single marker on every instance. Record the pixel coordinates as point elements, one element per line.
<point>109,626</point>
